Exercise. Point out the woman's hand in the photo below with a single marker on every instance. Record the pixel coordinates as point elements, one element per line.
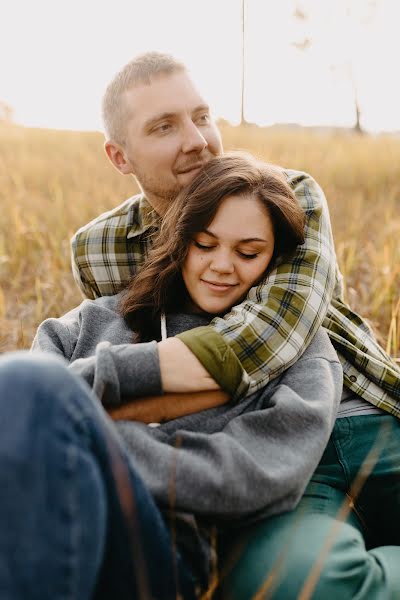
<point>181,371</point>
<point>157,409</point>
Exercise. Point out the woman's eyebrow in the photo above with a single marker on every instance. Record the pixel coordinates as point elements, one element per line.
<point>208,233</point>
<point>253,239</point>
<point>241,241</point>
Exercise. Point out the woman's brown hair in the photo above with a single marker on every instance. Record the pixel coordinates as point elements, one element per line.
<point>159,286</point>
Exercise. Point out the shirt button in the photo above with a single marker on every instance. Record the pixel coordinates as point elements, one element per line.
<point>353,378</point>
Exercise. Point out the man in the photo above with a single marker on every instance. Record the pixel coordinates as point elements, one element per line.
<point>159,129</point>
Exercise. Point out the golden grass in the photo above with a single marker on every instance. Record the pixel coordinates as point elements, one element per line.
<point>53,182</point>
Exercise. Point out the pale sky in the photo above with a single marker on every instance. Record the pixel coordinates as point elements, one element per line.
<point>57,56</point>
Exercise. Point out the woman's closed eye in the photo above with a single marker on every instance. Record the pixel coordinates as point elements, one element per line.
<point>203,246</point>
<point>247,255</point>
<point>206,246</point>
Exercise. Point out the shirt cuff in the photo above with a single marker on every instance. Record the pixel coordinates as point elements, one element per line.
<point>216,357</point>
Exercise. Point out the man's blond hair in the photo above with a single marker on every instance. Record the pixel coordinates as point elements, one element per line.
<point>140,70</point>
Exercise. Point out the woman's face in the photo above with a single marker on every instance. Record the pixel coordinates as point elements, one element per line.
<point>230,256</point>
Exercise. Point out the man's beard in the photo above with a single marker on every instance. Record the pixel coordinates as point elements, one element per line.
<point>165,192</point>
<point>159,194</point>
<point>155,187</point>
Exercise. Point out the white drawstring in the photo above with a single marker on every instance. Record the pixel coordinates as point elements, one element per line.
<point>163,320</point>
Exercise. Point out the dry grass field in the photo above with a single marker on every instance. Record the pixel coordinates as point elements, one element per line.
<point>52,182</point>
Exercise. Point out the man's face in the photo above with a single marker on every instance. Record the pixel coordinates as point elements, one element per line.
<point>170,135</point>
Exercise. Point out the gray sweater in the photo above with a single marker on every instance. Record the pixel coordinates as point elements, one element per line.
<point>234,463</point>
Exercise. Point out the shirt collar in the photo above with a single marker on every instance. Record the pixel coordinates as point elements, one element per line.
<point>142,217</point>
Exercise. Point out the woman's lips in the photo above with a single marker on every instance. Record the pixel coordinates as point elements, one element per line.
<point>219,287</point>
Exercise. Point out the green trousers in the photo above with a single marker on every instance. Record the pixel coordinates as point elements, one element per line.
<point>343,539</point>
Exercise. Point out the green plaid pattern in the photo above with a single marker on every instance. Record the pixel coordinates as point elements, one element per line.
<point>109,250</point>
<point>270,330</point>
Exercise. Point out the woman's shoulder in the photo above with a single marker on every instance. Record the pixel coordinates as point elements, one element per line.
<point>104,304</point>
<point>100,315</point>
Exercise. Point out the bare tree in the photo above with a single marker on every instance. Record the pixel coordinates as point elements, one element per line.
<point>6,112</point>
<point>363,17</point>
<point>243,78</point>
<point>301,16</point>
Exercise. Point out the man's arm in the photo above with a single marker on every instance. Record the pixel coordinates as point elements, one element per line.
<point>88,290</point>
<point>181,371</point>
<point>270,330</point>
<point>259,339</point>
<point>106,251</point>
<point>158,409</point>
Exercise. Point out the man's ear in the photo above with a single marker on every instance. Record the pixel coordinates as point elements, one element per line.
<point>118,158</point>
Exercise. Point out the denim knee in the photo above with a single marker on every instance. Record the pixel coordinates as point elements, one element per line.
<point>25,368</point>
<point>41,380</point>
<point>39,394</point>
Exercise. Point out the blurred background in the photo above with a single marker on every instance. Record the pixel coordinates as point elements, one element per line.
<point>311,62</point>
<point>309,84</point>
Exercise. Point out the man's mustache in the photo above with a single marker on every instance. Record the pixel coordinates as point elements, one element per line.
<point>194,163</point>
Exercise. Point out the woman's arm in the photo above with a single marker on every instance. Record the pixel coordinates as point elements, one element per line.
<point>158,409</point>
<point>91,338</point>
<point>96,342</point>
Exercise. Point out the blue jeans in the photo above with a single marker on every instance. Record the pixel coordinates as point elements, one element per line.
<point>76,521</point>
<point>343,539</point>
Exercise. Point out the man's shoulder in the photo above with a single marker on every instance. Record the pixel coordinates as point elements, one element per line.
<point>308,192</point>
<point>122,217</point>
<point>294,177</point>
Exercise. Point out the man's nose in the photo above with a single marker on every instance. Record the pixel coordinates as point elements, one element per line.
<point>192,139</point>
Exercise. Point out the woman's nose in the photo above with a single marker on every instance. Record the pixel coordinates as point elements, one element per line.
<point>222,263</point>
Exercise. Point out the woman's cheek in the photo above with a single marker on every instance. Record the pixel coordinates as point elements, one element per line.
<point>256,273</point>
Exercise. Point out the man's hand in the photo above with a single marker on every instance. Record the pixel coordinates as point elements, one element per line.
<point>181,371</point>
<point>158,409</point>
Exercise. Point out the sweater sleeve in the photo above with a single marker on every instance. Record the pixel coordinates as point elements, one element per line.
<point>270,330</point>
<point>112,370</point>
<point>261,461</point>
<point>121,370</point>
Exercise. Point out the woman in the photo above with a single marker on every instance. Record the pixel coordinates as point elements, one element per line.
<point>131,510</point>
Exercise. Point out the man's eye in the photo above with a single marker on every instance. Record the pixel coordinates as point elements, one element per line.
<point>202,246</point>
<point>162,128</point>
<point>203,119</point>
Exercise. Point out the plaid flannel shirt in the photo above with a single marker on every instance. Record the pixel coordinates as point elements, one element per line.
<point>267,332</point>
